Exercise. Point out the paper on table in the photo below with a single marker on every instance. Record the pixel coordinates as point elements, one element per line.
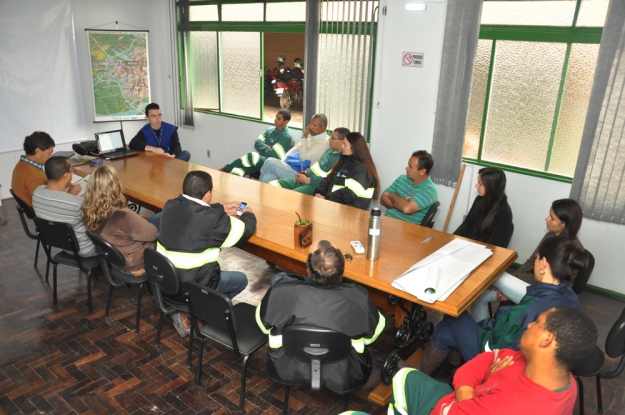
<point>450,248</point>
<point>431,281</point>
<point>82,181</point>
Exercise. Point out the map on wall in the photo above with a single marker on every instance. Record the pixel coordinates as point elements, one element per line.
<point>120,74</point>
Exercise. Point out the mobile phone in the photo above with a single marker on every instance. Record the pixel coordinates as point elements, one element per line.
<point>242,206</point>
<point>348,257</point>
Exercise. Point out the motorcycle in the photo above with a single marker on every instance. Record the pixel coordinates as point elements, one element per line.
<point>289,86</point>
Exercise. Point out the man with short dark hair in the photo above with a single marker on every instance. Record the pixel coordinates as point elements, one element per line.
<point>411,195</point>
<point>323,299</point>
<point>307,181</point>
<point>192,233</point>
<point>535,380</point>
<point>52,202</point>
<point>28,173</point>
<point>272,144</point>
<point>158,137</point>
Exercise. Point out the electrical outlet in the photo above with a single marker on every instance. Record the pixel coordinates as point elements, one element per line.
<point>208,153</point>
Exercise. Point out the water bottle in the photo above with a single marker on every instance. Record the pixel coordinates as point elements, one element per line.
<point>373,239</point>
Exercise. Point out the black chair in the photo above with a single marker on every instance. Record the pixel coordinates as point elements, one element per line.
<point>164,278</point>
<point>428,219</point>
<point>583,276</point>
<point>109,254</point>
<point>26,211</point>
<point>233,326</point>
<point>316,345</point>
<point>593,364</point>
<point>61,235</point>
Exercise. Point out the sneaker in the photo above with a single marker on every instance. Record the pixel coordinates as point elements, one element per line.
<point>178,325</point>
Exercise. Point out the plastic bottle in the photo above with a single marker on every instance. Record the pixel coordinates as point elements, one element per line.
<point>373,239</point>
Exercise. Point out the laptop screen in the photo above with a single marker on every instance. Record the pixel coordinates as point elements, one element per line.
<point>110,141</point>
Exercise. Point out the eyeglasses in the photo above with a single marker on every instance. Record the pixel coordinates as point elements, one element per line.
<point>332,138</point>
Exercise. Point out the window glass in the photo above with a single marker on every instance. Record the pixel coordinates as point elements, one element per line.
<point>574,105</point>
<point>347,11</point>
<point>240,62</point>
<point>592,13</point>
<point>248,12</point>
<point>207,13</point>
<point>204,70</point>
<point>524,92</point>
<point>533,13</point>
<point>478,95</point>
<point>286,12</point>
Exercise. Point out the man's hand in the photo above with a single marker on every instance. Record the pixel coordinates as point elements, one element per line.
<point>231,208</point>
<point>74,189</point>
<point>247,209</point>
<point>155,150</point>
<point>501,297</point>
<point>501,364</point>
<point>169,155</point>
<point>302,179</point>
<point>320,196</point>
<point>307,131</point>
<point>463,393</point>
<point>267,148</point>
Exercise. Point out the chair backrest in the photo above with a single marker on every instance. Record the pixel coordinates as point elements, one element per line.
<point>23,206</point>
<point>508,236</point>
<point>583,276</point>
<point>315,343</point>
<point>428,219</point>
<point>107,251</point>
<point>161,271</point>
<point>57,234</point>
<point>211,306</point>
<point>615,342</point>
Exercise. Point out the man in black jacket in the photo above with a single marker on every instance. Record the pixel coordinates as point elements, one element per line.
<point>325,300</point>
<point>192,233</point>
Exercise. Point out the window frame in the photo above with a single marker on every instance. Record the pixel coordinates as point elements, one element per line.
<point>548,34</point>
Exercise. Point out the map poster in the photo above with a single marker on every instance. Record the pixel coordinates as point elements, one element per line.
<point>120,74</point>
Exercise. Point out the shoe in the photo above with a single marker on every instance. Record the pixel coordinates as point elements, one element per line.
<point>432,359</point>
<point>454,357</point>
<point>179,325</point>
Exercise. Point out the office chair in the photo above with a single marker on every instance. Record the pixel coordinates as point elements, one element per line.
<point>24,210</point>
<point>428,219</point>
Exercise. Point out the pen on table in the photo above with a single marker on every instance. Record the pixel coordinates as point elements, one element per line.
<point>426,240</point>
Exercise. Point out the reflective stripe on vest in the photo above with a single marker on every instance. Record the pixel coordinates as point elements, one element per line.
<point>355,187</point>
<point>399,390</point>
<point>275,183</point>
<point>261,137</point>
<point>260,322</point>
<point>189,260</point>
<point>279,151</point>
<point>250,159</point>
<point>318,171</point>
<point>237,229</point>
<point>238,171</point>
<point>378,329</point>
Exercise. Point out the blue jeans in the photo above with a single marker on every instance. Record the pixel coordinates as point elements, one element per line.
<point>275,169</point>
<point>184,155</point>
<point>155,220</point>
<point>509,285</point>
<point>231,283</point>
<point>460,333</point>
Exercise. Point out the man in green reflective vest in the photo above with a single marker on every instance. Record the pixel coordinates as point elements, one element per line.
<point>192,233</point>
<point>323,299</point>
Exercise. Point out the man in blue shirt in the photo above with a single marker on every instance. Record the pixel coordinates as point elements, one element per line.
<point>158,137</point>
<point>412,194</point>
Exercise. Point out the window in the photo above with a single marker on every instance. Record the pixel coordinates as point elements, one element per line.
<point>533,74</point>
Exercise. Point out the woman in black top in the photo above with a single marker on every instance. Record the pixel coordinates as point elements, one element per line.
<point>490,217</point>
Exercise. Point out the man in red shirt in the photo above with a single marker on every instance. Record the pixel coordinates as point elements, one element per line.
<point>535,380</point>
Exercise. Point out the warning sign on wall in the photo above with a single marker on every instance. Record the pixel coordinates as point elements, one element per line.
<point>413,59</point>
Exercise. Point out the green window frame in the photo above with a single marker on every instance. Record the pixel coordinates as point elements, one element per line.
<point>553,34</point>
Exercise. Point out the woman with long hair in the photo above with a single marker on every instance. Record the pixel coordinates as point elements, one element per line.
<point>564,220</point>
<point>490,217</point>
<point>353,180</point>
<point>105,214</point>
<point>555,261</point>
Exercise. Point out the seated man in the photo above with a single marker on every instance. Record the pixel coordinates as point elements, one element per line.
<point>52,202</point>
<point>311,147</point>
<point>306,182</point>
<point>325,300</point>
<point>192,233</point>
<point>28,173</point>
<point>411,195</point>
<point>535,380</point>
<point>158,137</point>
<point>273,143</point>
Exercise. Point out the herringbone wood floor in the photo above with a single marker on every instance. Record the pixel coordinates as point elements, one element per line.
<point>60,360</point>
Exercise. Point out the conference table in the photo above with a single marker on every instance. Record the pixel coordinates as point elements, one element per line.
<point>150,180</point>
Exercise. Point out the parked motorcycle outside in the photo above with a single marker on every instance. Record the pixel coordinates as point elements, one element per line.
<point>289,86</point>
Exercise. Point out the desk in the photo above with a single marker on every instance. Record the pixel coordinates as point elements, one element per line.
<point>151,180</point>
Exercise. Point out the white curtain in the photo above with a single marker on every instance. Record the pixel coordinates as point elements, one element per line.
<point>599,181</point>
<point>39,78</point>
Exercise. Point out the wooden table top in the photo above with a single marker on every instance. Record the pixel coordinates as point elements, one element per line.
<point>151,180</point>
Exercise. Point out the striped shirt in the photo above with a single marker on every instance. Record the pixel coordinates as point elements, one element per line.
<point>423,194</point>
<point>60,206</point>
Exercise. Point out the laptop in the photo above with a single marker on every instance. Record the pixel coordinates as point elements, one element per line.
<point>111,145</point>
